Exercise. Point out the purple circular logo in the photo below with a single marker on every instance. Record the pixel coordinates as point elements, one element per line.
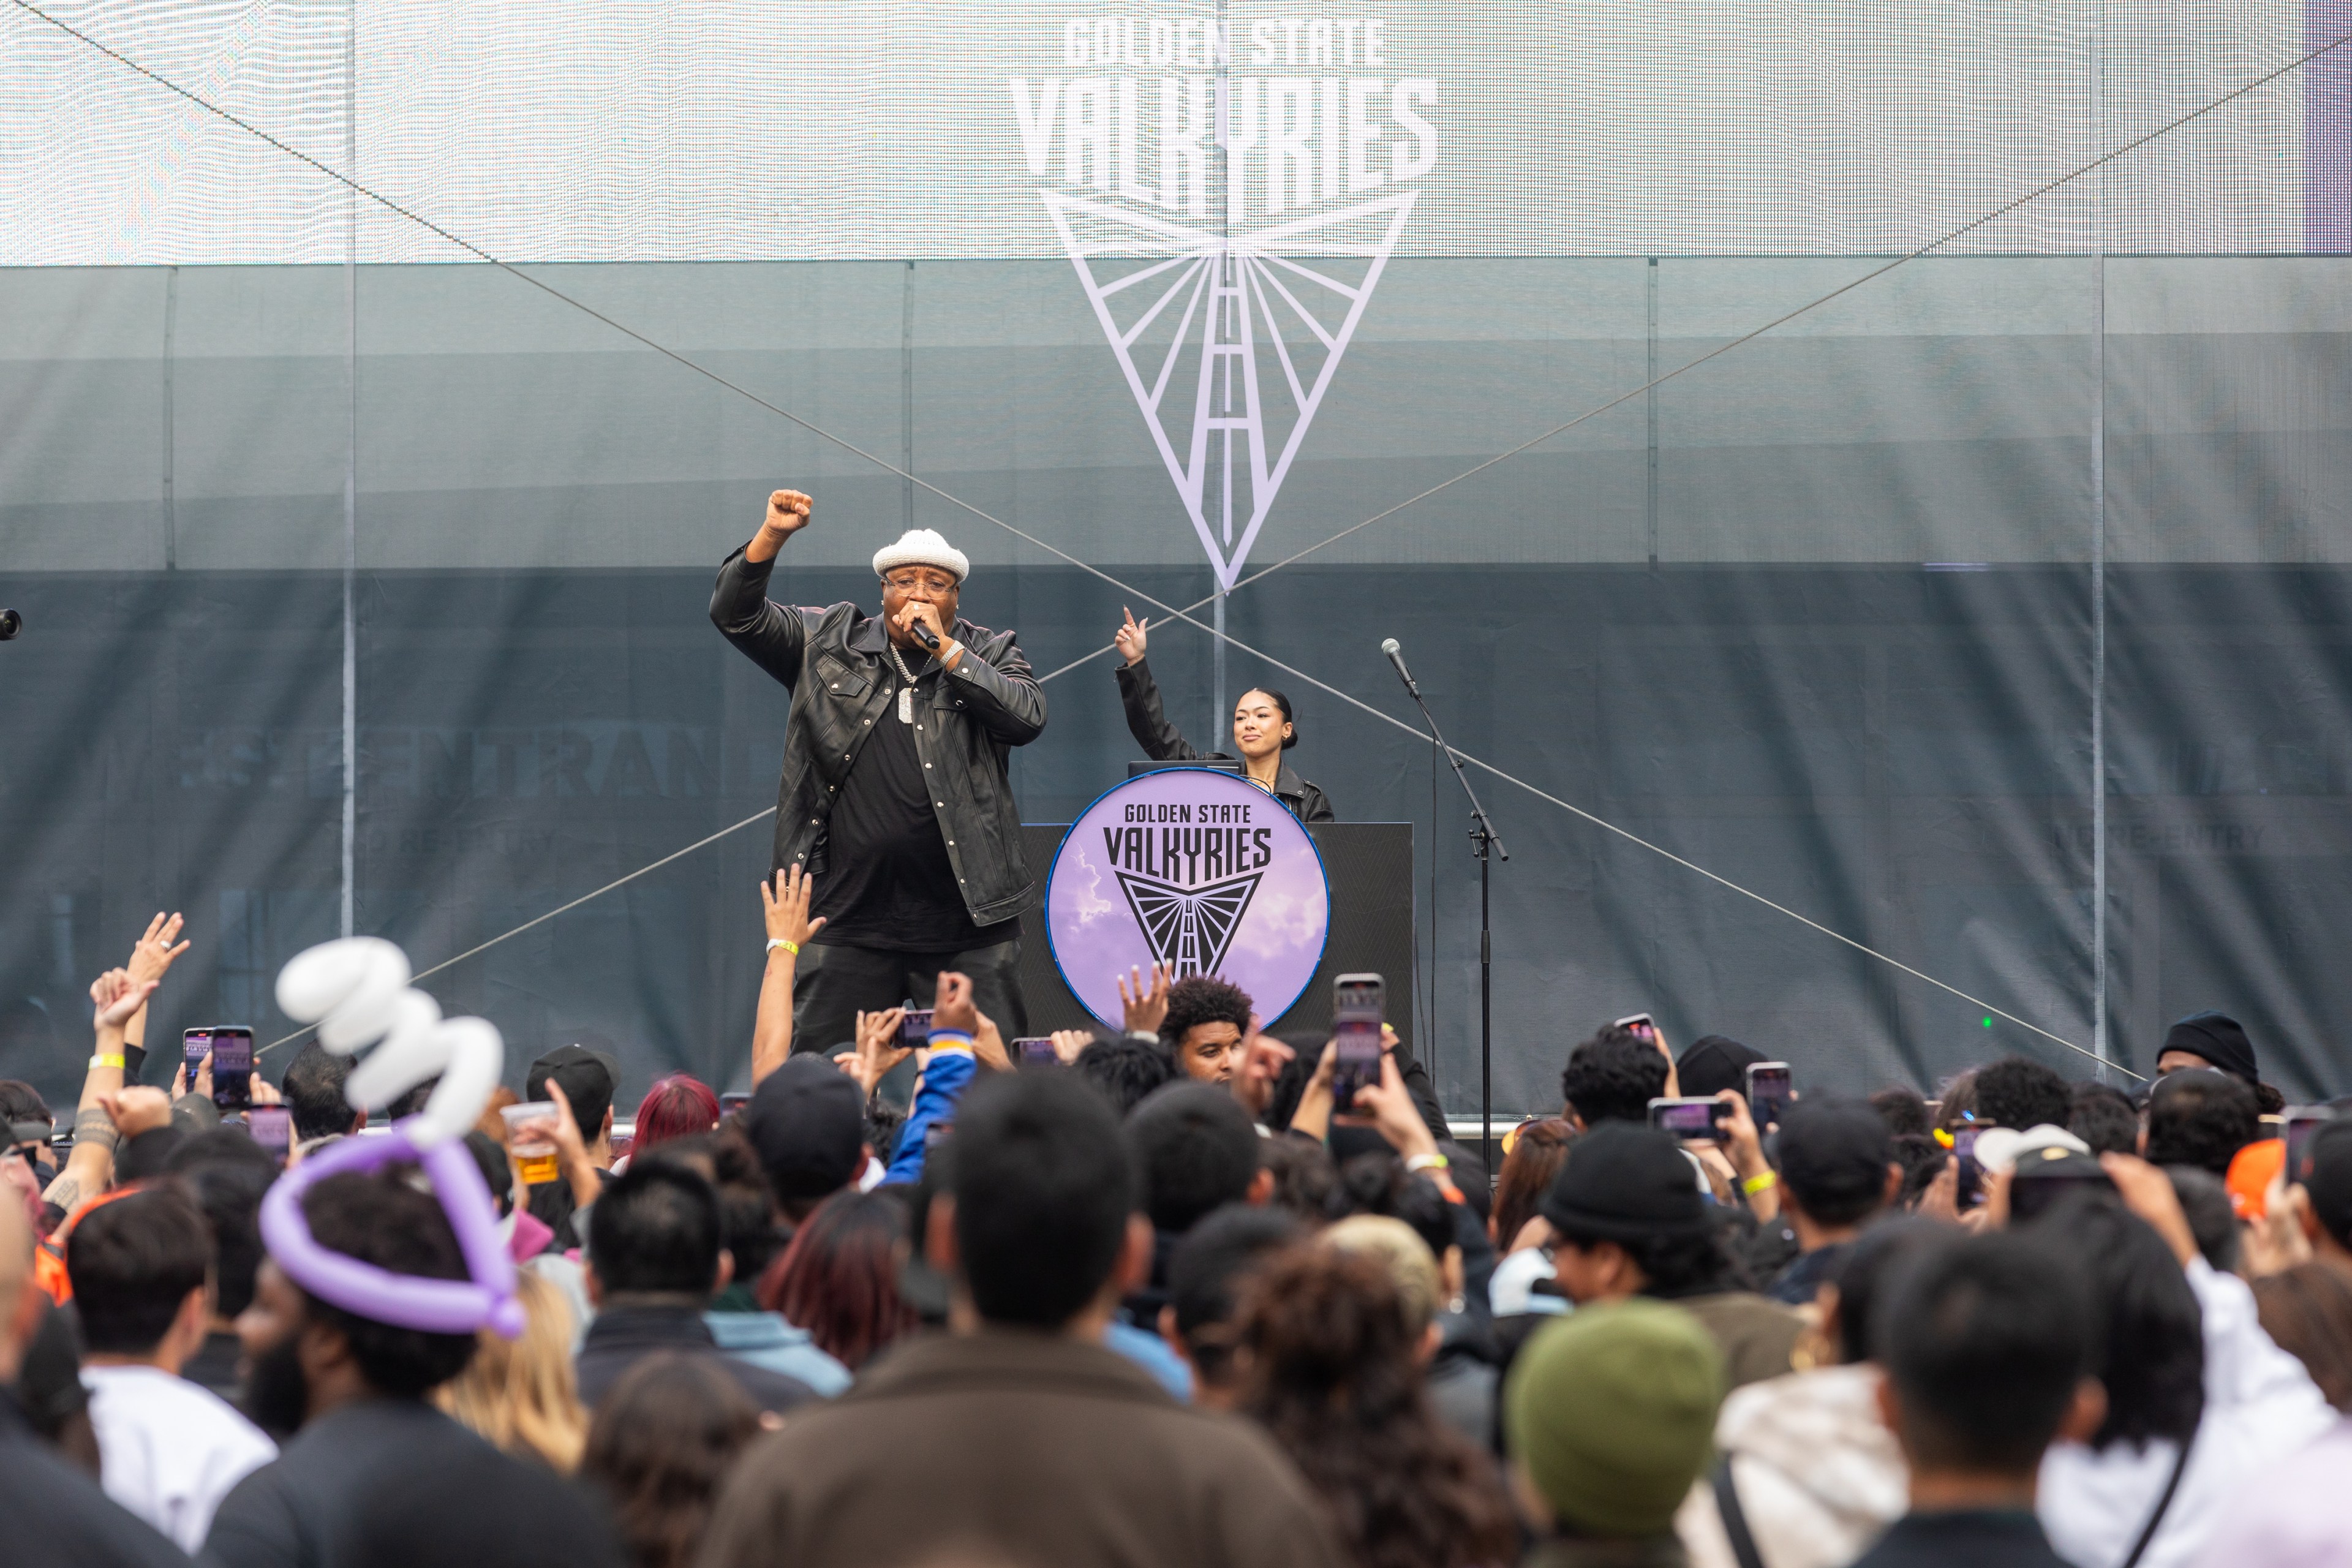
<point>1194,868</point>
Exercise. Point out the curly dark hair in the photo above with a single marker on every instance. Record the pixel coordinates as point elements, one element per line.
<point>2020,1092</point>
<point>1613,1077</point>
<point>1333,1378</point>
<point>1200,999</point>
<point>2104,1118</point>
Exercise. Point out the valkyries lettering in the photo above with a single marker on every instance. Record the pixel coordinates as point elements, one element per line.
<point>1229,196</point>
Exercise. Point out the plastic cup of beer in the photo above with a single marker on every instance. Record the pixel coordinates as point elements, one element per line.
<point>530,1139</point>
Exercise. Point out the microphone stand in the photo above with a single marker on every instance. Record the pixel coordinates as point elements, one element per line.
<point>1482,839</point>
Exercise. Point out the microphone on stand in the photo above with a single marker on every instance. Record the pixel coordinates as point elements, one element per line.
<point>1484,843</point>
<point>1389,646</point>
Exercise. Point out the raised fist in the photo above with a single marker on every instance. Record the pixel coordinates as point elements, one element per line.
<point>788,513</point>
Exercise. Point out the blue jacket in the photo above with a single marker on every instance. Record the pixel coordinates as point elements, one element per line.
<point>765,1340</point>
<point>945,1078</point>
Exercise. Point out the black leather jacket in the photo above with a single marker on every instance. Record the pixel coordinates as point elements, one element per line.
<point>987,705</point>
<point>1163,743</point>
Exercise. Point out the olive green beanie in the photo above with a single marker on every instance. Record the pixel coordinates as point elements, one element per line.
<point>1612,1411</point>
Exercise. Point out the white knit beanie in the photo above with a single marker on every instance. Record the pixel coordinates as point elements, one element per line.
<point>922,547</point>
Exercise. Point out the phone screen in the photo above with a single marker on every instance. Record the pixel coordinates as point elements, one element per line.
<point>1358,1007</point>
<point>733,1100</point>
<point>272,1126</point>
<point>1035,1051</point>
<point>232,1067</point>
<point>915,1028</point>
<point>1641,1023</point>
<point>1688,1118</point>
<point>1964,1141</point>
<point>2302,1123</point>
<point>194,1045</point>
<point>1770,1086</point>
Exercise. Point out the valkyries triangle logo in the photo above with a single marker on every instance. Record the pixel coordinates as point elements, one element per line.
<point>1228,229</point>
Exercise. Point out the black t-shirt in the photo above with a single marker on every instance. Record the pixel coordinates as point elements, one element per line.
<point>888,881</point>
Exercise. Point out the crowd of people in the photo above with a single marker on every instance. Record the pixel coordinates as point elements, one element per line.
<point>1164,1299</point>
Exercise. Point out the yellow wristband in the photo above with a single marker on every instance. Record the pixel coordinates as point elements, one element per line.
<point>1763,1180</point>
<point>1429,1163</point>
<point>786,943</point>
<point>104,1061</point>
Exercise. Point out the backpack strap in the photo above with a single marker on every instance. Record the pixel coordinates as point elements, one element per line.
<point>2163,1504</point>
<point>1735,1517</point>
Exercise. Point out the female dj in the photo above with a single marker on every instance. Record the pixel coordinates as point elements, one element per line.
<point>1262,729</point>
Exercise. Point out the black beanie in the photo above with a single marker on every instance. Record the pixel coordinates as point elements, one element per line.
<point>1622,1182</point>
<point>1713,1064</point>
<point>2217,1038</point>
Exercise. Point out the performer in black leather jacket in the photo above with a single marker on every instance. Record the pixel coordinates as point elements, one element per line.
<point>895,793</point>
<point>1262,731</point>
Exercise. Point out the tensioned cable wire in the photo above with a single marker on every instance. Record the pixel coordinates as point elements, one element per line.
<point>1184,614</point>
<point>561,909</point>
<point>1934,245</point>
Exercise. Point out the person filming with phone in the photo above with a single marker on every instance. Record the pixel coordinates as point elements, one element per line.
<point>895,794</point>
<point>1263,730</point>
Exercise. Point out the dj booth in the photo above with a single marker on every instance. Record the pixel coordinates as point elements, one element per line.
<point>1369,867</point>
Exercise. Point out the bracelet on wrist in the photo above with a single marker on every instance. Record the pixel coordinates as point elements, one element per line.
<point>1429,1163</point>
<point>1763,1182</point>
<point>787,943</point>
<point>103,1060</point>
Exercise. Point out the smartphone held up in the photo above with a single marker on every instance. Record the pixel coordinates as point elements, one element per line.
<point>1359,1008</point>
<point>1694,1120</point>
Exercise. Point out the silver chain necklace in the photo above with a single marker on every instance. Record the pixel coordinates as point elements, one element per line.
<point>906,691</point>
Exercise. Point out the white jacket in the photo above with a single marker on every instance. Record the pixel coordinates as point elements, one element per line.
<point>1817,1474</point>
<point>2260,1405</point>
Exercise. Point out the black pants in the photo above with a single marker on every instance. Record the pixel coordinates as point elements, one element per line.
<point>832,985</point>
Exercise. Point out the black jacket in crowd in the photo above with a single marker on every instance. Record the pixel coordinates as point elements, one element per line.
<point>836,663</point>
<point>1162,742</point>
<point>52,1513</point>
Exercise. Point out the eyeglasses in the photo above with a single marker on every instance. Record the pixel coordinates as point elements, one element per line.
<point>938,583</point>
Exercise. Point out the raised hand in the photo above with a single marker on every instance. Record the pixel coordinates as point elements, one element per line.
<point>1262,1060</point>
<point>153,953</point>
<point>878,1050</point>
<point>1068,1042</point>
<point>136,1109</point>
<point>1393,1111</point>
<point>117,998</point>
<point>789,512</point>
<point>1146,1004</point>
<point>1130,638</point>
<point>922,610</point>
<point>951,1004</point>
<point>988,1045</point>
<point>787,905</point>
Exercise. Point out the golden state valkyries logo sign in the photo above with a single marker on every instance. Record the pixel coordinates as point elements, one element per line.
<point>1229,194</point>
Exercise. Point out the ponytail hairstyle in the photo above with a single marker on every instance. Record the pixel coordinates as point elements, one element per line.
<point>1279,700</point>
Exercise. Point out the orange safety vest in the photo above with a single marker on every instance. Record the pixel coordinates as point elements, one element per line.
<point>49,1257</point>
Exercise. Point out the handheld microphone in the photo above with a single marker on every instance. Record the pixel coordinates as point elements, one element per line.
<point>1389,646</point>
<point>922,634</point>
